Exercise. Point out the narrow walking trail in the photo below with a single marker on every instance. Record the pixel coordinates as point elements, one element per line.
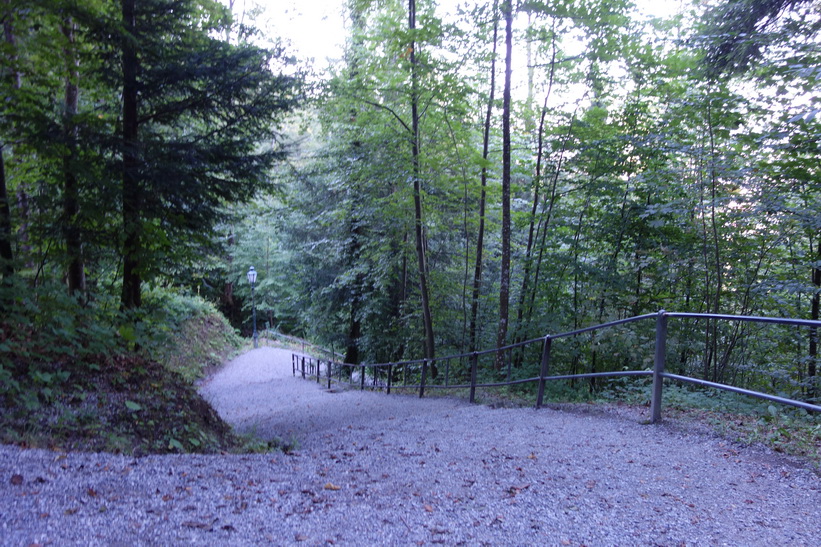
<point>373,469</point>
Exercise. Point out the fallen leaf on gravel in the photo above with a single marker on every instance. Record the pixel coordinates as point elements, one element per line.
<point>300,537</point>
<point>91,492</point>
<point>331,486</point>
<point>199,525</point>
<point>513,490</point>
<point>428,508</point>
<point>17,480</point>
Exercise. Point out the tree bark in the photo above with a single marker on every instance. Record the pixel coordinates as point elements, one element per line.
<point>75,273</point>
<point>417,189</point>
<point>6,253</point>
<point>812,364</point>
<point>131,192</point>
<point>504,282</point>
<point>480,239</point>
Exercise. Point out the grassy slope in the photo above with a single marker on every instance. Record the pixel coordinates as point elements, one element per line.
<point>66,382</point>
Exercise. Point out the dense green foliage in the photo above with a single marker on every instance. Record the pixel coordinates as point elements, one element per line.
<point>650,171</point>
<point>652,164</point>
<point>128,131</point>
<point>70,380</point>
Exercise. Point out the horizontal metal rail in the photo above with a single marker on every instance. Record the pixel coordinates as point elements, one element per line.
<point>600,374</point>
<point>750,318</point>
<point>742,391</point>
<point>419,367</point>
<point>604,325</point>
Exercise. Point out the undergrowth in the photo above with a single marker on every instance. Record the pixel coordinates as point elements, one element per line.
<point>83,376</point>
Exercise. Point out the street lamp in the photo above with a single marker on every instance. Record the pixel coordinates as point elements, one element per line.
<point>252,279</point>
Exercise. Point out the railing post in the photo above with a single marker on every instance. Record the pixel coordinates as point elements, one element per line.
<point>474,365</point>
<point>658,365</point>
<point>390,376</point>
<point>330,371</point>
<point>509,364</point>
<point>548,343</point>
<point>303,367</point>
<point>361,377</point>
<point>318,370</point>
<point>424,377</point>
<point>293,364</point>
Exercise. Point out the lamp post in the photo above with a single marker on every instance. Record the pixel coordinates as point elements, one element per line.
<point>252,279</point>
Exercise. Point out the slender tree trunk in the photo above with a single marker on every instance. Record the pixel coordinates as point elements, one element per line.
<point>531,233</point>
<point>131,192</point>
<point>812,364</point>
<point>352,353</point>
<point>75,273</point>
<point>480,239</point>
<point>6,253</point>
<point>354,324</point>
<point>504,281</point>
<point>417,190</point>
<point>544,222</point>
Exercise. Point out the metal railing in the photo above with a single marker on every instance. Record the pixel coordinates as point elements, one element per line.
<point>382,376</point>
<point>299,342</point>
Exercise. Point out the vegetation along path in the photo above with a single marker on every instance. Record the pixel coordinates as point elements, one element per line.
<point>374,469</point>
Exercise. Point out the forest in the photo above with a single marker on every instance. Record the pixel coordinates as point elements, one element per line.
<point>468,175</point>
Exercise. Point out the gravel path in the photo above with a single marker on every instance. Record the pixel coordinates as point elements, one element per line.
<point>376,469</point>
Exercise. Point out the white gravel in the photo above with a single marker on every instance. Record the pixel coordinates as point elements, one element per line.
<point>375,469</point>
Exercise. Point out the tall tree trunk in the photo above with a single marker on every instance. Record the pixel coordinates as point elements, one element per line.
<point>131,192</point>
<point>531,232</point>
<point>355,324</point>
<point>504,282</point>
<point>812,364</point>
<point>480,239</point>
<point>6,251</point>
<point>544,222</point>
<point>354,254</point>
<point>417,189</point>
<point>75,273</point>
<point>6,254</point>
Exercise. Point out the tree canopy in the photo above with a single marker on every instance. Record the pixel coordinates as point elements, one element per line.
<point>466,176</point>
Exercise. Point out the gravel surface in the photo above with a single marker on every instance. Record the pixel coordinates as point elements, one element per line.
<point>376,469</point>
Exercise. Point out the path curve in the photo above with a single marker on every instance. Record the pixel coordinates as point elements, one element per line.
<point>397,470</point>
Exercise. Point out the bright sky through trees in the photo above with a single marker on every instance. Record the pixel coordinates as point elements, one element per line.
<point>316,28</point>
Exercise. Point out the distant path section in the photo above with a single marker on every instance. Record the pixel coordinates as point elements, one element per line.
<point>376,469</point>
